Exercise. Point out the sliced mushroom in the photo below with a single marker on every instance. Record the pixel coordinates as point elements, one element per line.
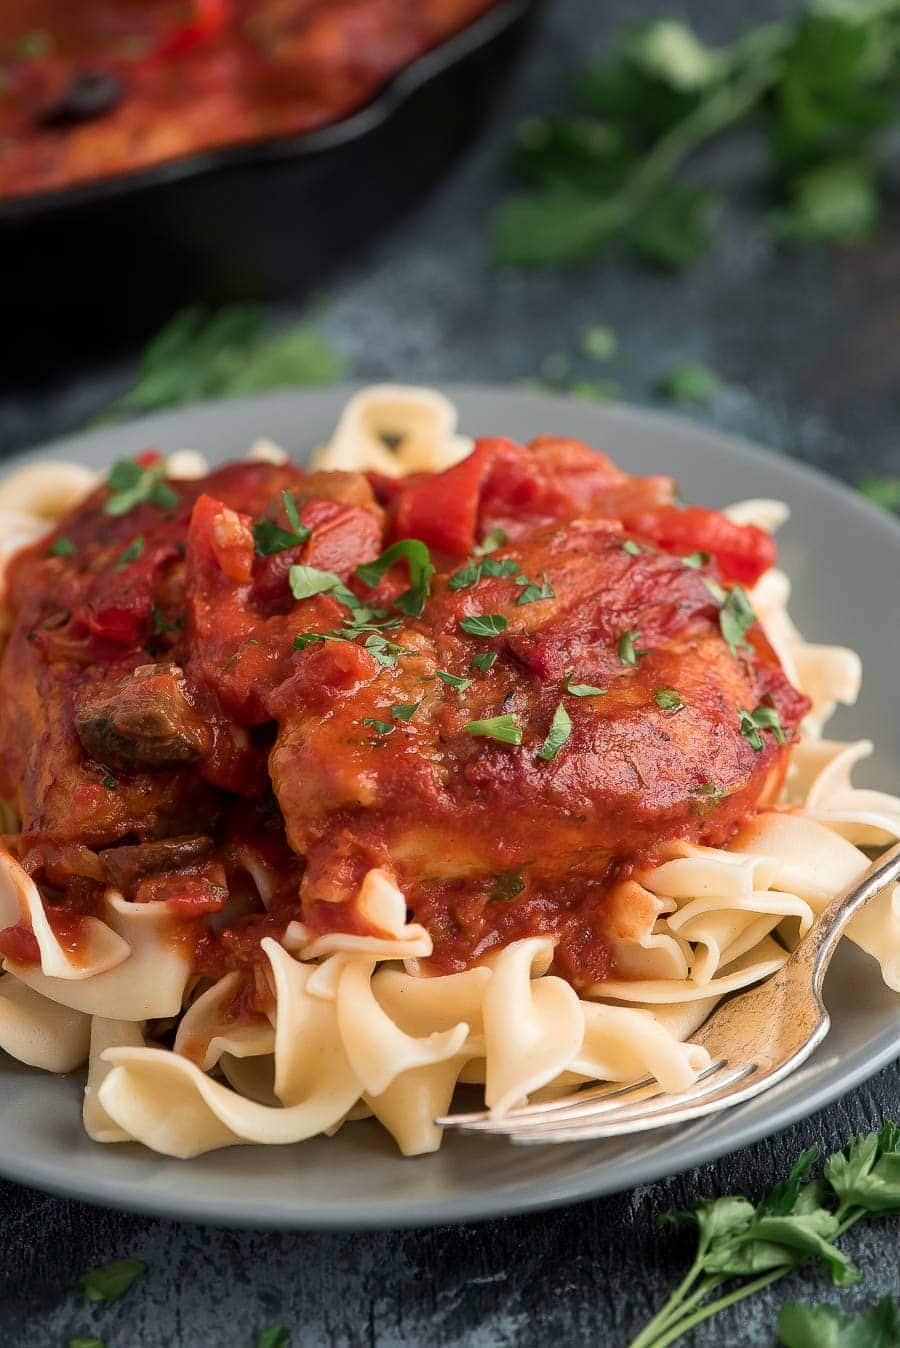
<point>125,866</point>
<point>143,721</point>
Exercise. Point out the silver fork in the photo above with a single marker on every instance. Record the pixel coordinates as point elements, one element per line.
<point>755,1039</point>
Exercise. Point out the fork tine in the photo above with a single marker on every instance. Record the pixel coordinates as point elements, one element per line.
<point>603,1092</point>
<point>675,1110</point>
<point>575,1107</point>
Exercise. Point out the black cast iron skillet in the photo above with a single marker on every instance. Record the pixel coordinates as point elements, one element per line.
<point>89,270</point>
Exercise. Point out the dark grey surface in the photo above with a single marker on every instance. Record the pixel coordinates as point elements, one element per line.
<point>808,346</point>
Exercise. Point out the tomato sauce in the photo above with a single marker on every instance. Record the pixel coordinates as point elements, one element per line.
<point>93,88</point>
<point>216,698</point>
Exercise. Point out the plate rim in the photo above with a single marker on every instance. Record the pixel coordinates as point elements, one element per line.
<point>582,1186</point>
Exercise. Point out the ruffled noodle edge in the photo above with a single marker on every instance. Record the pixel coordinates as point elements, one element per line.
<point>356,1029</point>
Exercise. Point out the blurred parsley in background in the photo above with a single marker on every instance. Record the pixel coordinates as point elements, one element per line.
<point>823,86</point>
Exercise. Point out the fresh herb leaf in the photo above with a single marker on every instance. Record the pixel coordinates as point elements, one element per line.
<point>484,661</point>
<point>276,1336</point>
<point>382,727</point>
<point>382,650</point>
<point>109,782</point>
<point>506,885</point>
<point>270,538</point>
<point>676,228</point>
<point>559,732</point>
<point>696,559</point>
<point>834,201</point>
<point>707,796</point>
<point>454,681</point>
<point>466,577</point>
<point>668,699</point>
<point>484,624</point>
<point>130,554</point>
<point>690,384</point>
<point>629,653</point>
<point>829,1327</point>
<point>414,552</point>
<point>306,581</point>
<point>716,590</point>
<point>161,623</point>
<point>736,617</point>
<point>596,390</point>
<point>131,485</point>
<point>762,718</point>
<point>532,593</point>
<point>493,539</point>
<point>633,549</point>
<point>217,355</point>
<point>506,729</point>
<point>492,566</point>
<point>61,547</point>
<point>583,689</point>
<point>798,1221</point>
<point>85,1343</point>
<point>405,711</point>
<point>599,342</point>
<point>884,490</point>
<point>111,1281</point>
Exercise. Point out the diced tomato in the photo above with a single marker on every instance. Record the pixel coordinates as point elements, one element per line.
<point>742,551</point>
<point>116,623</point>
<point>228,535</point>
<point>208,18</point>
<point>19,945</point>
<point>149,458</point>
<point>443,512</point>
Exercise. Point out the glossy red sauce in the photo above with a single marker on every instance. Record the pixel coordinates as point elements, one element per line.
<point>163,733</point>
<point>93,88</point>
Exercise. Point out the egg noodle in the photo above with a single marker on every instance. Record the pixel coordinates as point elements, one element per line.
<point>357,1027</point>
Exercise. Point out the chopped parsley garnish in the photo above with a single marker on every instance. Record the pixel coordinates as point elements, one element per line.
<point>270,538</point>
<point>414,552</point>
<point>669,699</point>
<point>484,624</point>
<point>61,547</point>
<point>696,559</point>
<point>715,589</point>
<point>583,689</point>
<point>629,652</point>
<point>473,571</point>
<point>161,623</point>
<point>454,680</point>
<point>883,489</point>
<point>383,727</point>
<point>559,732</point>
<point>131,484</point>
<point>532,593</point>
<point>506,885</point>
<point>633,549</point>
<point>382,650</point>
<point>276,1336</point>
<point>131,553</point>
<point>690,384</point>
<point>484,661</point>
<point>405,711</point>
<point>736,617</point>
<point>506,729</point>
<point>761,719</point>
<point>111,1281</point>
<point>306,581</point>
<point>109,782</point>
<point>599,342</point>
<point>85,1343</point>
<point>707,796</point>
<point>493,539</point>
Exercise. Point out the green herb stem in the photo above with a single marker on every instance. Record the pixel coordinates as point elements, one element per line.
<point>683,1324</point>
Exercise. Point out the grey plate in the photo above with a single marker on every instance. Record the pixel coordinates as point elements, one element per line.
<point>844,558</point>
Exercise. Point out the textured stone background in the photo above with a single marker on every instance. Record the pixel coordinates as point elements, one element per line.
<point>808,348</point>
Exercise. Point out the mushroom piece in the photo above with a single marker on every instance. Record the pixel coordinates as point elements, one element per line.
<point>143,721</point>
<point>124,867</point>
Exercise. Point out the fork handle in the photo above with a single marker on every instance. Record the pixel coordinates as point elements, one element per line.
<point>818,946</point>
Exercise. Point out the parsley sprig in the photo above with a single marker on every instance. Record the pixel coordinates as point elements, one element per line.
<point>820,85</point>
<point>416,555</point>
<point>798,1221</point>
<point>130,485</point>
<point>269,537</point>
